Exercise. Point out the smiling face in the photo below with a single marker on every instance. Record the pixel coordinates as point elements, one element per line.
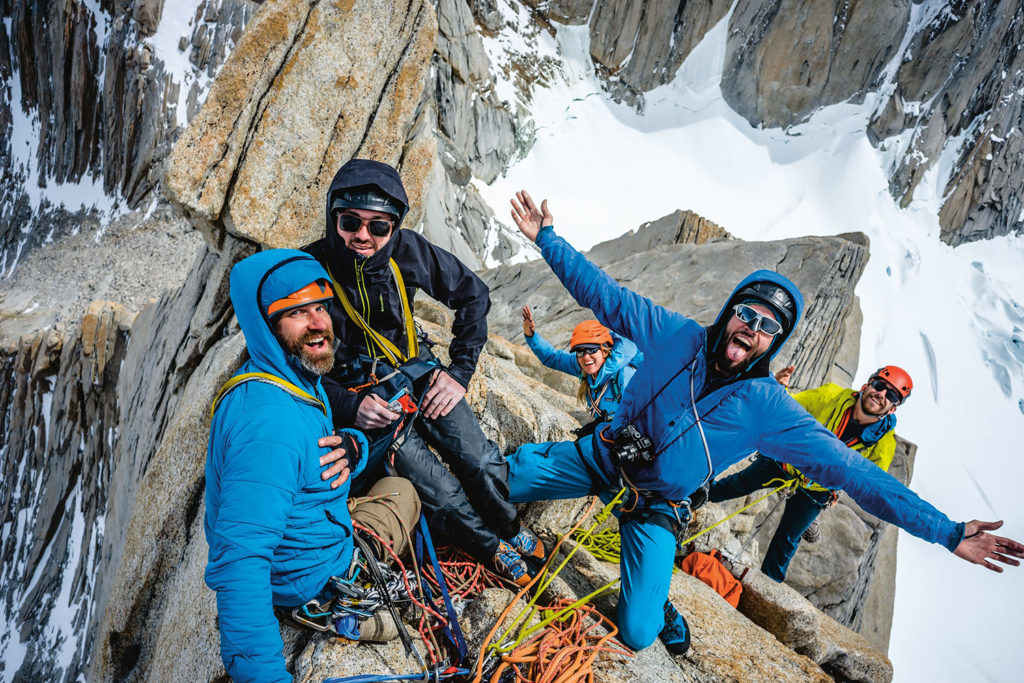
<point>872,405</point>
<point>590,359</point>
<point>362,241</point>
<point>306,333</point>
<point>740,346</point>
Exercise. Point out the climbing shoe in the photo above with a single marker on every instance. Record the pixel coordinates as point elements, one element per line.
<point>813,533</point>
<point>509,564</point>
<point>675,635</point>
<point>527,544</point>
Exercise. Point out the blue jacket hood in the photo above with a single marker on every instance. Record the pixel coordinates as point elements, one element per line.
<point>760,366</point>
<point>258,281</point>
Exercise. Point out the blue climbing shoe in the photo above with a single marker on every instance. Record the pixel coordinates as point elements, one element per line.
<point>508,563</point>
<point>528,545</point>
<point>675,634</point>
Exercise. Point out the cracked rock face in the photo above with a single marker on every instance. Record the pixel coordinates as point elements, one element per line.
<point>104,106</point>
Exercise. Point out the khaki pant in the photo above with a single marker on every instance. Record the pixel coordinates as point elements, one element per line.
<point>390,509</point>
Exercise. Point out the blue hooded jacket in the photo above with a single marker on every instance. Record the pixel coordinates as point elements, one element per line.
<point>266,523</point>
<point>609,382</point>
<point>751,412</point>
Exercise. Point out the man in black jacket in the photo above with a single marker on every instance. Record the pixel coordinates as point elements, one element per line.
<point>376,269</point>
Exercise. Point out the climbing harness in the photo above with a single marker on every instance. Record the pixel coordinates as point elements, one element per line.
<point>266,378</point>
<point>373,337</point>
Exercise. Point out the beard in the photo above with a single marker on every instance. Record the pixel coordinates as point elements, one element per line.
<point>726,361</point>
<point>315,363</point>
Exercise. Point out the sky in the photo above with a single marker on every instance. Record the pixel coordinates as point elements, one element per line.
<point>953,317</point>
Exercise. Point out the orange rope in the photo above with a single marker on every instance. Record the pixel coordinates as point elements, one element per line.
<point>478,673</point>
<point>564,653</point>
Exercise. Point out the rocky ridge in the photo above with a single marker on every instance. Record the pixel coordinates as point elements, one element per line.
<point>938,74</point>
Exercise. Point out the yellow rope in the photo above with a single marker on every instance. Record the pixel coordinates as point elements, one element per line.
<point>546,579</point>
<point>606,545</point>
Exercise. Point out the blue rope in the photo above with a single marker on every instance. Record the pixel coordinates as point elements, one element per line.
<point>452,630</point>
<point>381,678</point>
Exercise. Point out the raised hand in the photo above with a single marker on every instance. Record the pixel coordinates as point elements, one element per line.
<point>784,375</point>
<point>527,217</point>
<point>528,325</point>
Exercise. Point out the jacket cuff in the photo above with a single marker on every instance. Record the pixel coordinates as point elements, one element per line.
<point>546,232</point>
<point>957,536</point>
<point>460,375</point>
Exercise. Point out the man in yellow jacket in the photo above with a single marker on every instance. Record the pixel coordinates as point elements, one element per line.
<point>863,420</point>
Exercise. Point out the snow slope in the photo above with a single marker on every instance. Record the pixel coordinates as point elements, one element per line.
<point>953,317</point>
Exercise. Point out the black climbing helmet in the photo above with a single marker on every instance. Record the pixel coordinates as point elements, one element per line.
<point>774,297</point>
<point>369,198</point>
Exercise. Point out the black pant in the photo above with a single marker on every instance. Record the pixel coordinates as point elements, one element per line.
<point>800,511</point>
<point>467,501</point>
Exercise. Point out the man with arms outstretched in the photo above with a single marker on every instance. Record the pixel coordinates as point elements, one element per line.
<point>702,400</point>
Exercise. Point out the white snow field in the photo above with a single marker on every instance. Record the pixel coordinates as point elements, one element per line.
<point>952,317</point>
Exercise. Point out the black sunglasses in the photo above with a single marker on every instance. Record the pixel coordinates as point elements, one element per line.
<point>378,227</point>
<point>581,351</point>
<point>891,395</point>
<point>758,322</point>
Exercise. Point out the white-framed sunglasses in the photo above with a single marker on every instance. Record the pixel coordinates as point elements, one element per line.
<point>758,322</point>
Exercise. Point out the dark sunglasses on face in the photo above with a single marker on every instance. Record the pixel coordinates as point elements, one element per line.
<point>581,351</point>
<point>378,227</point>
<point>758,322</point>
<point>891,395</point>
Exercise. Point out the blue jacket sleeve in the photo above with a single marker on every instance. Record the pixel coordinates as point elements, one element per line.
<point>563,361</point>
<point>790,434</point>
<point>257,479</point>
<point>617,307</point>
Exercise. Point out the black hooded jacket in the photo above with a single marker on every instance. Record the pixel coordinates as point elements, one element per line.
<point>370,286</point>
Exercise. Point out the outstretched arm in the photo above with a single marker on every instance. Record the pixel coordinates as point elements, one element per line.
<point>556,359</point>
<point>617,307</point>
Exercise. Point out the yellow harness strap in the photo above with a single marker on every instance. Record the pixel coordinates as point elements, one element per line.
<point>393,354</point>
<point>266,378</point>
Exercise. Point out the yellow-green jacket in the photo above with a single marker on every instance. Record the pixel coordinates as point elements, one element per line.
<point>828,404</point>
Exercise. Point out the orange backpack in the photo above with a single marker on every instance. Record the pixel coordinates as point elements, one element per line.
<point>708,568</point>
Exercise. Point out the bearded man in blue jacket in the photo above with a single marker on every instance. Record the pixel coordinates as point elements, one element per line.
<point>278,530</point>
<point>702,400</point>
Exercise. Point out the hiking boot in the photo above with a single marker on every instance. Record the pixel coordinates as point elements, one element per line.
<point>528,545</point>
<point>675,634</point>
<point>509,564</point>
<point>813,533</point>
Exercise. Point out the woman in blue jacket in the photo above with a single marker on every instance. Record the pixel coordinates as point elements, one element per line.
<point>702,400</point>
<point>603,362</point>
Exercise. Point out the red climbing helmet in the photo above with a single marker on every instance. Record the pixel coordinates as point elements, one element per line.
<point>897,377</point>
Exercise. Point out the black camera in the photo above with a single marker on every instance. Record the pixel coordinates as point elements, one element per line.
<point>632,448</point>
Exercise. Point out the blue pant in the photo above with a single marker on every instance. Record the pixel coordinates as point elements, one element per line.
<point>800,512</point>
<point>560,470</point>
